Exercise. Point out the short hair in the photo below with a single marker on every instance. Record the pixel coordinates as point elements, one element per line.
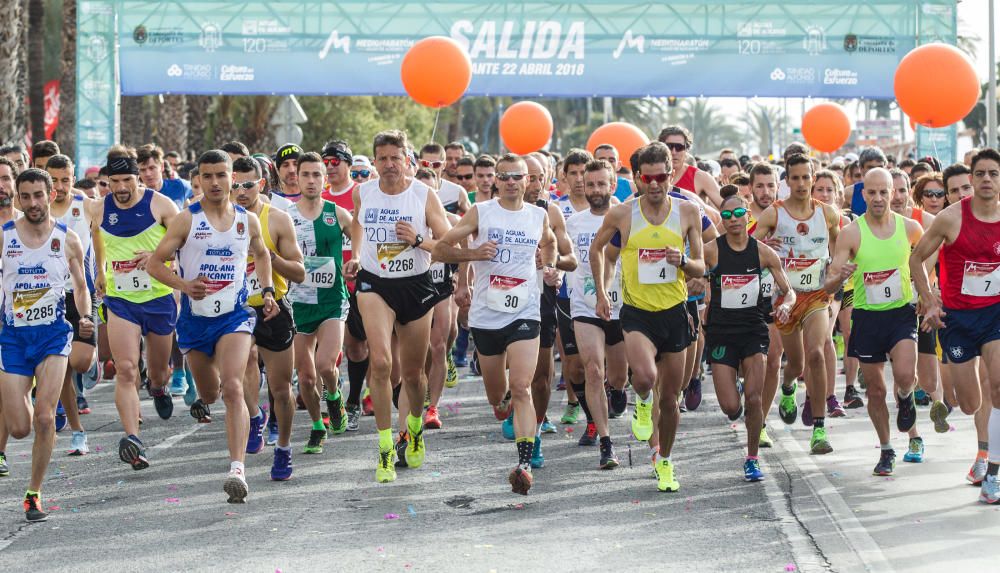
<point>739,179</point>
<point>795,148</point>
<point>906,163</point>
<point>465,161</point>
<point>392,137</point>
<point>214,157</point>
<point>484,161</point>
<point>149,151</point>
<point>576,157</point>
<point>871,154</point>
<point>897,172</point>
<point>761,168</point>
<point>921,184</point>
<point>731,196</point>
<point>510,158</point>
<point>838,185</point>
<point>59,161</point>
<point>247,165</point>
<point>85,184</point>
<point>15,148</point>
<point>34,175</point>
<point>177,156</point>
<point>921,166</point>
<point>949,172</point>
<point>44,148</point>
<point>309,157</point>
<point>798,159</point>
<point>425,173</point>
<point>655,152</point>
<point>676,130</point>
<point>986,153</point>
<point>728,190</point>
<point>604,146</point>
<point>9,163</point>
<point>432,147</point>
<point>236,148</point>
<point>121,151</point>
<point>454,145</point>
<point>595,165</point>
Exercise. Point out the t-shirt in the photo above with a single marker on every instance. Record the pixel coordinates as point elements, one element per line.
<point>178,190</point>
<point>858,204</point>
<point>624,190</point>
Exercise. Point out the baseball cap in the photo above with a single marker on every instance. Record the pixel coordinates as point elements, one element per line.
<point>361,161</point>
<point>286,152</point>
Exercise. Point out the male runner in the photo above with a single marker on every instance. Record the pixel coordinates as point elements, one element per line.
<point>41,151</point>
<point>651,233</point>
<point>485,170</point>
<point>337,159</point>
<point>150,159</point>
<point>453,197</point>
<point>286,162</point>
<point>212,239</point>
<point>38,254</point>
<point>624,188</point>
<point>465,176</point>
<point>453,152</point>
<point>8,173</point>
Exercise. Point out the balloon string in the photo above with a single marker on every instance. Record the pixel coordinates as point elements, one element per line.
<point>934,145</point>
<point>434,129</point>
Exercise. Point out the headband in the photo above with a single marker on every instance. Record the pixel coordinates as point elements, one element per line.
<point>123,166</point>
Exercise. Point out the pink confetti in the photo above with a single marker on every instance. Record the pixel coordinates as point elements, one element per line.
<point>790,567</point>
<point>391,516</point>
<point>171,487</point>
<point>277,571</point>
<point>569,430</point>
<point>732,426</point>
<point>519,506</point>
<point>98,449</point>
<point>380,549</point>
<point>230,513</point>
<point>172,500</point>
<point>54,508</point>
<point>635,501</point>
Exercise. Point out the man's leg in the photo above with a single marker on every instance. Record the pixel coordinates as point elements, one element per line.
<point>878,411</point>
<point>279,382</point>
<point>251,382</point>
<point>669,380</point>
<point>305,366</point>
<point>541,382</point>
<point>441,328</point>
<point>771,368</point>
<point>379,321</point>
<point>48,384</point>
<point>330,340</point>
<point>991,361</point>
<point>590,340</point>
<point>124,337</point>
<point>411,363</point>
<point>815,332</point>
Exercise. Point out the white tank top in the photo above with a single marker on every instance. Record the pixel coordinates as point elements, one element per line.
<point>34,279</point>
<point>218,256</point>
<point>448,194</point>
<point>506,287</point>
<point>566,207</point>
<point>382,253</point>
<point>76,220</point>
<point>804,247</point>
<point>582,228</point>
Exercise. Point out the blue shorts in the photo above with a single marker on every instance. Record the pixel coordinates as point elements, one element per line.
<point>157,316</point>
<point>202,334</point>
<point>965,333</point>
<point>22,349</point>
<point>874,333</point>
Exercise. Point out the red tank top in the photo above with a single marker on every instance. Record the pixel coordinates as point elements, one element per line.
<point>686,181</point>
<point>918,216</point>
<point>969,262</point>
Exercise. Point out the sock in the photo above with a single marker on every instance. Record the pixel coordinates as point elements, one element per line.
<point>29,492</point>
<point>605,441</point>
<point>983,446</point>
<point>994,435</point>
<point>660,456</point>
<point>395,396</point>
<point>886,447</point>
<point>318,425</point>
<point>356,372</point>
<point>581,397</point>
<point>753,458</point>
<point>904,396</point>
<point>285,448</point>
<point>524,447</point>
<point>763,426</point>
<point>819,422</point>
<point>647,400</point>
<point>332,397</point>
<point>991,468</point>
<point>413,424</point>
<point>236,466</point>
<point>788,390</point>
<point>385,439</point>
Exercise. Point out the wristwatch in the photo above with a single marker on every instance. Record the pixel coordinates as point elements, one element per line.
<point>418,240</point>
<point>266,290</point>
<point>684,260</point>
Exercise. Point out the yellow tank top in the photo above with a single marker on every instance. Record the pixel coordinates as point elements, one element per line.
<point>279,282</point>
<point>648,281</point>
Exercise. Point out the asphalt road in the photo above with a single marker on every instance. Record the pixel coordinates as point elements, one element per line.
<point>457,513</point>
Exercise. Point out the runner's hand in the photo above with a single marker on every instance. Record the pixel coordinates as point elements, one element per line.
<point>197,289</point>
<point>674,256</point>
<point>271,308</point>
<point>351,269</point>
<point>603,308</point>
<point>100,285</point>
<point>696,287</point>
<point>552,277</point>
<point>781,312</point>
<point>486,251</point>
<point>846,271</point>
<point>86,328</point>
<point>405,232</point>
<point>933,314</point>
<point>141,258</point>
<point>773,242</point>
<point>463,296</point>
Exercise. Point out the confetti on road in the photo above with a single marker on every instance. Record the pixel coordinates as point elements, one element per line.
<point>391,516</point>
<point>410,509</point>
<point>172,500</point>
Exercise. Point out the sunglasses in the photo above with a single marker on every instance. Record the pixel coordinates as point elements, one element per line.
<point>361,173</point>
<point>660,178</point>
<point>102,183</point>
<point>332,161</point>
<point>509,176</point>
<point>248,185</point>
<point>465,177</point>
<point>737,212</point>
<point>676,147</point>
<point>936,193</point>
<point>434,164</point>
<point>728,163</point>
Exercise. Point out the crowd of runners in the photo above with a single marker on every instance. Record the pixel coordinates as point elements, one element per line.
<point>215,279</point>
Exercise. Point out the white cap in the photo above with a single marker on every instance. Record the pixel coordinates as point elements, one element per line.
<point>713,167</point>
<point>361,161</point>
<point>851,157</point>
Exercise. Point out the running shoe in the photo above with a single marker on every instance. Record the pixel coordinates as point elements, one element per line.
<point>109,369</point>
<point>609,460</point>
<point>833,408</point>
<point>507,427</point>
<point>432,420</point>
<point>416,449</point>
<point>353,418</point>
<point>132,452</point>
<point>78,445</point>
<point>990,492</point>
<point>33,508</point>
<point>921,397</point>
<point>617,403</point>
<point>4,468</point>
<point>852,399</point>
<point>338,415</point>
<point>60,416</point>
<point>201,412</point>
<point>765,439</point>
<point>82,407</point>
<point>818,444</point>
<point>502,410</point>
<point>570,414</point>
<point>589,436</point>
<point>315,443</point>
<point>400,448</point>
<point>787,408</point>
<point>886,463</point>
<point>537,459</point>
<point>915,453</point>
<point>161,400</point>
<point>548,427</point>
<point>451,377</point>
<point>665,480</point>
<point>861,380</point>
<point>93,376</point>
<point>737,414</point>
<point>642,420</point>
<point>939,415</point>
<point>281,468</point>
<point>906,413</point>
<point>692,395</point>
<point>474,365</point>
<point>977,473</point>
<point>191,393</point>
<point>385,471</point>
<point>561,385</point>
<point>177,384</point>
<point>236,487</point>
<point>272,431</point>
<point>299,404</point>
<point>807,413</point>
<point>520,480</point>
<point>751,471</point>
<point>255,441</point>
<point>367,408</point>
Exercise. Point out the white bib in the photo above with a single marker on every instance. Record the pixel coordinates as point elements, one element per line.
<point>321,272</point>
<point>129,277</point>
<point>654,268</point>
<point>220,299</point>
<point>805,274</point>
<point>507,294</point>
<point>36,307</point>
<point>883,286</point>
<point>981,279</point>
<point>740,291</point>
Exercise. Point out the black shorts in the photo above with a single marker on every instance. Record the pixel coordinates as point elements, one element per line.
<point>768,309</point>
<point>73,317</point>
<point>729,349</point>
<point>668,330</point>
<point>355,325</point>
<point>566,332</point>
<point>444,290</point>
<point>965,333</point>
<point>692,310</point>
<point>926,341</point>
<point>411,298</point>
<point>874,333</point>
<point>494,342</point>
<point>612,330</point>
<point>278,333</point>
<point>547,305</point>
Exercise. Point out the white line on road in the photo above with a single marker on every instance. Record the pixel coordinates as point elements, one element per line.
<point>806,555</point>
<point>172,440</point>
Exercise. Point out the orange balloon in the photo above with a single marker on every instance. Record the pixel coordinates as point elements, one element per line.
<point>624,136</point>
<point>526,127</point>
<point>826,127</point>
<point>936,85</point>
<point>436,71</point>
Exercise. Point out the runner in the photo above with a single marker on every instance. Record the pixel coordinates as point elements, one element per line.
<point>625,189</point>
<point>133,222</point>
<point>453,153</point>
<point>286,162</point>
<point>393,219</point>
<point>151,168</point>
<point>968,310</point>
<point>453,196</point>
<point>872,252</point>
<point>685,176</point>
<point>212,239</point>
<point>273,338</point>
<point>8,173</point>
<point>651,233</point>
<point>485,170</point>
<point>440,367</point>
<point>36,338</point>
<point>505,318</point>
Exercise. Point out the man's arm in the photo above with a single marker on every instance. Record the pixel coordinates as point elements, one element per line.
<point>694,267</point>
<point>944,226</point>
<point>96,213</point>
<point>174,239</point>
<point>565,258</point>
<point>841,268</point>
<point>74,257</point>
<point>288,261</point>
<point>705,183</point>
<point>610,226</point>
<point>445,249</point>
<point>164,209</point>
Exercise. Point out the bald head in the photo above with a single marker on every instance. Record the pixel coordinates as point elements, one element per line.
<point>878,177</point>
<point>878,191</point>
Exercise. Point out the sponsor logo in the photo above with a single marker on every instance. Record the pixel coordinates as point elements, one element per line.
<point>840,77</point>
<point>175,71</point>
<point>211,37</point>
<point>139,35</point>
<point>234,73</point>
<point>638,43</point>
<point>802,229</point>
<point>97,48</point>
<point>996,249</point>
<point>157,37</point>
<point>718,352</point>
<point>815,40</point>
<point>495,234</point>
<point>869,44</point>
<point>330,219</point>
<point>240,228</point>
<point>76,212</point>
<point>371,216</point>
<point>777,75</point>
<point>956,352</point>
<point>35,270</point>
<point>223,252</point>
<point>202,226</point>
<point>55,245</point>
<point>335,42</point>
<point>524,327</point>
<point>190,71</point>
<point>113,219</point>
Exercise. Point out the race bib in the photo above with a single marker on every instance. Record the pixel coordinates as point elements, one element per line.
<point>437,273</point>
<point>253,281</point>
<point>395,257</point>
<point>321,272</point>
<point>220,298</point>
<point>506,294</point>
<point>35,307</point>
<point>981,279</point>
<point>883,286</point>
<point>654,268</point>
<point>766,284</point>
<point>128,277</point>
<point>740,291</point>
<point>590,293</point>
<point>805,274</point>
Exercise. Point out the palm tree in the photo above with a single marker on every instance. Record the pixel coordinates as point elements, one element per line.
<point>764,124</point>
<point>171,124</point>
<point>197,122</point>
<point>67,83</point>
<point>134,124</point>
<point>257,132</point>
<point>36,81</point>
<point>710,128</point>
<point>11,98</point>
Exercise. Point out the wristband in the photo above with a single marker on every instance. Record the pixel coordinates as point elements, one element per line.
<point>266,290</point>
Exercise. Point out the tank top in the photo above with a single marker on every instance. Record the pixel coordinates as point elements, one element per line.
<point>321,241</point>
<point>75,219</point>
<point>34,280</point>
<point>686,180</point>
<point>448,194</point>
<point>506,287</point>
<point>219,256</point>
<point>970,267</point>
<point>124,232</point>
<point>568,210</point>
<point>737,304</point>
<point>255,296</point>
<point>582,228</point>
<point>804,247</point>
<point>882,279</point>
<point>649,282</point>
<point>382,253</point>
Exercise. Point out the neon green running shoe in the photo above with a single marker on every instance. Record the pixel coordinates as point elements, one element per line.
<point>385,471</point>
<point>819,445</point>
<point>788,410</point>
<point>642,420</point>
<point>570,414</point>
<point>338,414</point>
<point>765,440</point>
<point>665,480</point>
<point>315,443</point>
<point>451,378</point>
<point>415,450</point>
